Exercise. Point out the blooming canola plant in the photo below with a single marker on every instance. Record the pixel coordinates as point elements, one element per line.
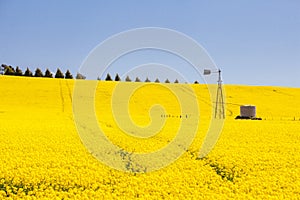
<point>43,156</point>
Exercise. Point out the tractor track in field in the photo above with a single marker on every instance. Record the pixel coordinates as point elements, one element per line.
<point>69,91</point>
<point>62,97</point>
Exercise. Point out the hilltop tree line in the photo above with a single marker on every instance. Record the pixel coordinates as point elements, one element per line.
<point>9,70</point>
<point>137,79</point>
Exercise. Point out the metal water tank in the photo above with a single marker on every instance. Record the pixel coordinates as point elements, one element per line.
<point>248,111</point>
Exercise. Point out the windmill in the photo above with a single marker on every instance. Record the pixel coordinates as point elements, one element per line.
<point>219,104</point>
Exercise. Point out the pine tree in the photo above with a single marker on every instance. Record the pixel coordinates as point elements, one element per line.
<point>108,77</point>
<point>117,78</point>
<point>147,80</point>
<point>48,74</point>
<point>176,81</point>
<point>156,80</point>
<point>128,79</point>
<point>59,74</point>
<point>28,72</point>
<point>137,79</point>
<point>9,70</point>
<point>18,71</point>
<point>167,81</point>
<point>68,75</point>
<point>38,73</point>
<point>80,76</point>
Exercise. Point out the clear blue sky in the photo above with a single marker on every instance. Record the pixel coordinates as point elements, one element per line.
<point>253,42</point>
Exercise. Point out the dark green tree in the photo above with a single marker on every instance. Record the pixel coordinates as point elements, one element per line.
<point>117,78</point>
<point>196,82</point>
<point>176,81</point>
<point>167,81</point>
<point>156,80</point>
<point>68,75</point>
<point>137,79</point>
<point>28,72</point>
<point>38,73</point>
<point>18,71</point>
<point>59,74</point>
<point>48,74</point>
<point>147,80</point>
<point>9,70</point>
<point>108,77</point>
<point>80,76</point>
<point>127,79</point>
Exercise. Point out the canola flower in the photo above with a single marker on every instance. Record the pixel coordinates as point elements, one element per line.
<point>42,156</point>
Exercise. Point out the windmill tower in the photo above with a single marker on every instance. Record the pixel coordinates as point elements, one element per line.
<point>219,104</point>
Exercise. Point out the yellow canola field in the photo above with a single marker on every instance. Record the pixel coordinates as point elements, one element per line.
<point>43,157</point>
